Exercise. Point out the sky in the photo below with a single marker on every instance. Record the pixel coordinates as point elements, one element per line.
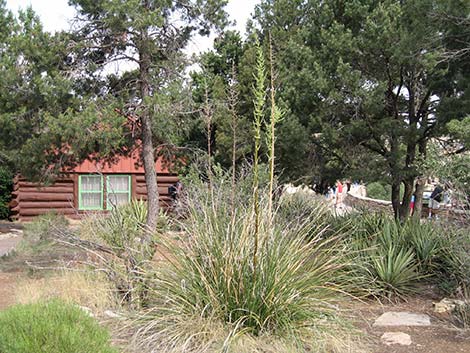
<point>56,15</point>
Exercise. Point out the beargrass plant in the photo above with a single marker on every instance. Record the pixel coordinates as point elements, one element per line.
<point>239,272</point>
<point>301,206</point>
<point>208,280</point>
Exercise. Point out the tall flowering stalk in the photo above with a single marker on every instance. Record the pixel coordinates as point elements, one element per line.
<point>276,116</point>
<point>259,102</point>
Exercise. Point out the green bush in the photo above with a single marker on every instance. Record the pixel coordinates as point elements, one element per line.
<point>378,191</point>
<point>390,259</point>
<point>381,191</point>
<point>427,243</point>
<point>42,228</point>
<point>6,186</point>
<point>39,234</point>
<point>52,327</point>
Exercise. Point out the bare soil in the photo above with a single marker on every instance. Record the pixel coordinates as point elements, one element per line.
<point>441,337</point>
<point>7,289</point>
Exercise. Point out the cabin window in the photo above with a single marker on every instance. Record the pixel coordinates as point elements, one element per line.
<point>90,192</point>
<point>118,190</point>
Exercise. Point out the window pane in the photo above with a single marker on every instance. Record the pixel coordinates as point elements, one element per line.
<point>90,183</point>
<point>117,199</point>
<point>91,200</point>
<point>118,183</point>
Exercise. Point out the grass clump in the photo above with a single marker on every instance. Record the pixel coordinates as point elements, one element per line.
<point>51,327</point>
<point>461,314</point>
<point>210,277</point>
<point>85,288</point>
<point>454,264</point>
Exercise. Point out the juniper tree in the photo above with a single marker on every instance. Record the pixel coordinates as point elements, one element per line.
<point>149,36</point>
<point>366,78</point>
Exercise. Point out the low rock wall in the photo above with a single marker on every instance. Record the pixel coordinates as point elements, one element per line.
<point>366,203</point>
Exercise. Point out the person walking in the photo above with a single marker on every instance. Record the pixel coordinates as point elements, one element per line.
<point>339,194</point>
<point>435,201</point>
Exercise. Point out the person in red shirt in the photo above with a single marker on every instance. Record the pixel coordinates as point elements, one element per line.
<point>339,192</point>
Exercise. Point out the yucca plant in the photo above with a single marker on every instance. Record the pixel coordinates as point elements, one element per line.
<point>239,268</point>
<point>395,271</point>
<point>383,263</point>
<point>426,243</point>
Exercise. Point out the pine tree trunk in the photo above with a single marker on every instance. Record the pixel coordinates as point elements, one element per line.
<point>420,182</point>
<point>148,154</point>
<point>406,201</point>
<point>419,191</point>
<point>396,197</point>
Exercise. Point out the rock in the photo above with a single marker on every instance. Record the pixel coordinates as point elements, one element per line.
<point>447,305</point>
<point>401,338</point>
<point>402,319</point>
<point>86,310</point>
<point>112,314</point>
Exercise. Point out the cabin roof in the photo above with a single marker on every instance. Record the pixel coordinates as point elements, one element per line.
<point>129,164</point>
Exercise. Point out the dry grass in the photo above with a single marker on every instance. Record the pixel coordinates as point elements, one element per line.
<point>85,288</point>
<point>210,336</point>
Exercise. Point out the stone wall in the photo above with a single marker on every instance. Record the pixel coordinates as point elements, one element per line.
<point>366,203</point>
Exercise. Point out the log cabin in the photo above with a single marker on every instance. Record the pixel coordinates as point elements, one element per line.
<point>89,187</point>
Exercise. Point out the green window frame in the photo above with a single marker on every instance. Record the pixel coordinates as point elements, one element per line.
<point>109,191</point>
<point>82,192</point>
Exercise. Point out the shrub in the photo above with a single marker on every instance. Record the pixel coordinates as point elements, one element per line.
<point>283,290</point>
<point>383,260</point>
<point>126,256</point>
<point>6,186</point>
<point>378,191</point>
<point>122,228</point>
<point>42,227</point>
<point>301,207</point>
<point>52,327</point>
<point>427,244</point>
<point>39,234</point>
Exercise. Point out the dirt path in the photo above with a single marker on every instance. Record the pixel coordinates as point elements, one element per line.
<point>7,289</point>
<point>10,236</point>
<point>441,337</point>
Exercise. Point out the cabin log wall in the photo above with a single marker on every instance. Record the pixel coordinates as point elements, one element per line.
<point>31,199</point>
